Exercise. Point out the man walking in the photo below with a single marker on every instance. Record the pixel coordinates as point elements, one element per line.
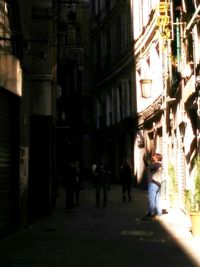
<point>101,182</point>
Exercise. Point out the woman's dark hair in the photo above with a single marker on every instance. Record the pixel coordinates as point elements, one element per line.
<point>158,156</point>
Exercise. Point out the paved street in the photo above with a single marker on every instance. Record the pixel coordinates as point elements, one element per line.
<point>112,236</point>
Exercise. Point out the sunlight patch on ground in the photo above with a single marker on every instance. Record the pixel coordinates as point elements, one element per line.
<point>182,236</point>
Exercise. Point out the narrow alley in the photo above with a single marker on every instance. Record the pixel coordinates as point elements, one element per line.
<point>88,236</point>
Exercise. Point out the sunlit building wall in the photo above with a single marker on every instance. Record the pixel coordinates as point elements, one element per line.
<point>184,118</point>
<point>166,47</point>
<point>150,62</point>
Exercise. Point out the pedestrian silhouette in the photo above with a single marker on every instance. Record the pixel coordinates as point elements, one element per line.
<point>126,177</point>
<point>100,174</point>
<point>69,184</point>
<point>78,184</point>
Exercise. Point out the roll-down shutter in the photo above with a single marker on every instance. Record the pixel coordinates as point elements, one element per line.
<point>8,158</point>
<point>181,175</point>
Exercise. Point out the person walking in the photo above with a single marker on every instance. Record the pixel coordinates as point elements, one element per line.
<point>101,182</point>
<point>126,177</point>
<point>69,184</point>
<point>153,169</point>
<point>77,184</point>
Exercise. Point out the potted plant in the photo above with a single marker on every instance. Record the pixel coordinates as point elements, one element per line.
<point>173,186</point>
<point>192,200</point>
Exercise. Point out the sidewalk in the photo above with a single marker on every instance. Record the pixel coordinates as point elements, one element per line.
<point>178,225</point>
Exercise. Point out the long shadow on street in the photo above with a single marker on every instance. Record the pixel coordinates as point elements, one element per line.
<point>88,236</point>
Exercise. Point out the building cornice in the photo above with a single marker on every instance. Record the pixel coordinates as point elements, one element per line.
<point>142,44</point>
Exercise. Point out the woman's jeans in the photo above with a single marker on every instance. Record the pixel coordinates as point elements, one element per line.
<point>154,199</point>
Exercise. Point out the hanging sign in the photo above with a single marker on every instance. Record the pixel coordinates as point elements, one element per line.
<point>164,19</point>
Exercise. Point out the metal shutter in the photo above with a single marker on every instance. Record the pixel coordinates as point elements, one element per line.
<point>181,175</point>
<point>8,159</point>
<point>5,161</point>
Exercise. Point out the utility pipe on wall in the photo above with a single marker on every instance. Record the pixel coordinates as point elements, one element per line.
<point>193,18</point>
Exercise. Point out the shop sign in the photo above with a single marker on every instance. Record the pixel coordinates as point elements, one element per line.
<point>164,19</point>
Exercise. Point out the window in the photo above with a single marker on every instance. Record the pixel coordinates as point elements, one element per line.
<point>71,15</point>
<point>119,34</point>
<point>5,30</point>
<point>120,103</point>
<point>96,7</point>
<point>97,54</point>
<point>107,5</point>
<point>108,109</point>
<point>108,46</point>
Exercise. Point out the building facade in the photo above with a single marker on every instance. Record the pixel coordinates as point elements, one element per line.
<point>45,103</point>
<point>112,82</point>
<point>149,84</point>
<point>10,93</point>
<point>166,50</point>
<point>26,116</point>
<point>37,110</point>
<point>73,79</point>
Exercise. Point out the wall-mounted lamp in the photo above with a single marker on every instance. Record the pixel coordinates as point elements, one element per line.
<point>146,85</point>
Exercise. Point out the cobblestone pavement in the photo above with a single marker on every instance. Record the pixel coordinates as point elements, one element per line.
<point>87,236</point>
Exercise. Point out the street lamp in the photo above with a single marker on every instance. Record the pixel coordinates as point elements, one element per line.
<point>146,85</point>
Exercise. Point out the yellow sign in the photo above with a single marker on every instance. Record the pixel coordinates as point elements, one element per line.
<point>166,33</point>
<point>163,20</point>
<point>163,7</point>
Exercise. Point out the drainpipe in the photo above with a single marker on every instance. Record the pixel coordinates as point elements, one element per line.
<point>198,112</point>
<point>178,45</point>
<point>193,18</point>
